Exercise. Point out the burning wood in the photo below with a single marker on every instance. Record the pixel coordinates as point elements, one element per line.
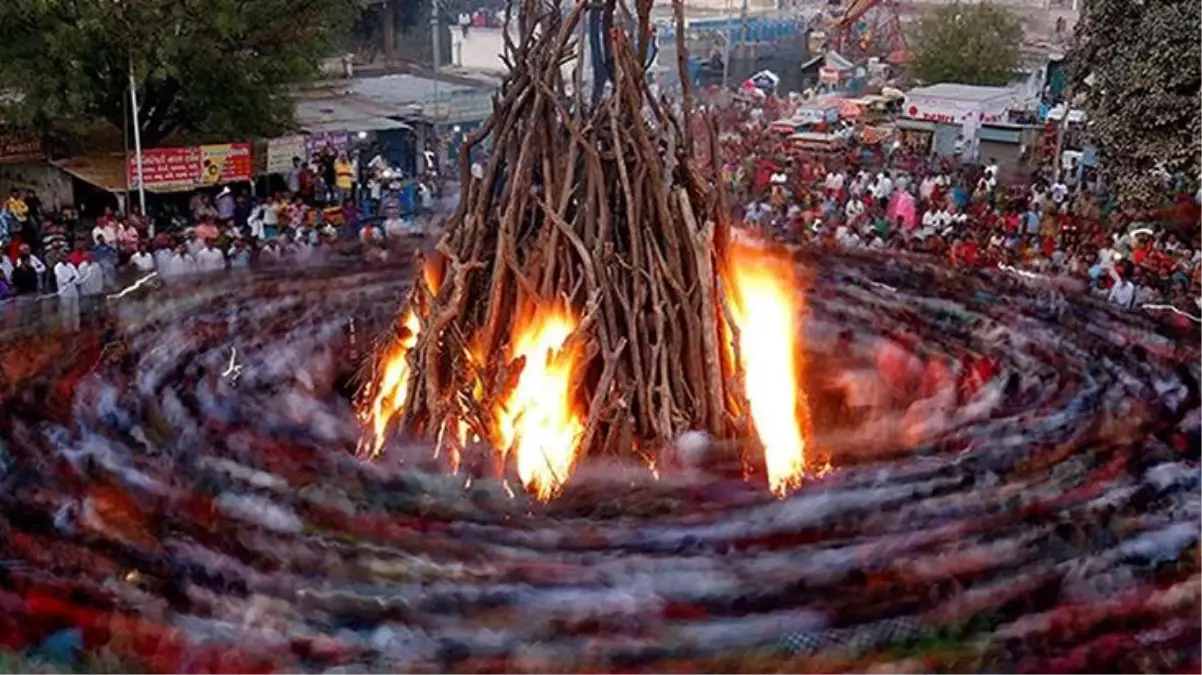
<point>578,305</point>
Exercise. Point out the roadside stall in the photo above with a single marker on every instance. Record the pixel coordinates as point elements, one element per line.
<point>945,117</point>
<point>809,142</point>
<point>807,118</point>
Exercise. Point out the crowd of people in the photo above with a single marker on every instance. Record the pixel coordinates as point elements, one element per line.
<point>76,260</point>
<point>1008,493</point>
<point>1060,224</point>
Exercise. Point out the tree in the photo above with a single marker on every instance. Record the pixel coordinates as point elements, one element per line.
<point>1136,64</point>
<point>967,44</point>
<point>208,69</point>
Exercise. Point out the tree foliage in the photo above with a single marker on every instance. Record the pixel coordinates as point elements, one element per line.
<point>215,69</point>
<point>967,44</point>
<point>1137,64</point>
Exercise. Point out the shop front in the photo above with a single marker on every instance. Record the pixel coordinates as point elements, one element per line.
<point>956,113</point>
<point>915,136</point>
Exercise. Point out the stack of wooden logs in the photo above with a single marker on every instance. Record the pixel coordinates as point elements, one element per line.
<point>598,204</point>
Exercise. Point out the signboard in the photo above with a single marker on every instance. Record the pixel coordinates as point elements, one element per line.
<point>195,166</point>
<point>166,168</point>
<point>949,111</point>
<point>225,163</point>
<point>280,152</point>
<point>318,142</point>
<point>15,148</point>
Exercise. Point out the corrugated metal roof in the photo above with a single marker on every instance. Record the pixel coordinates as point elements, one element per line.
<point>385,102</point>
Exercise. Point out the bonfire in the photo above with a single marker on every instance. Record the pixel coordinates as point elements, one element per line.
<point>587,296</point>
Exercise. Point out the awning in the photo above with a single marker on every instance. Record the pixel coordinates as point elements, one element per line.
<point>907,124</point>
<point>105,171</point>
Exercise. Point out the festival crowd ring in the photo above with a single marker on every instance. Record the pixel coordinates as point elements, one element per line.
<point>999,477</point>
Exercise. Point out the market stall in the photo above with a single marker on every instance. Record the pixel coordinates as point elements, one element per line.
<point>952,113</point>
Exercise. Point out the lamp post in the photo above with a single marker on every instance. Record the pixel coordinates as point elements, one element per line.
<point>436,42</point>
<point>133,104</point>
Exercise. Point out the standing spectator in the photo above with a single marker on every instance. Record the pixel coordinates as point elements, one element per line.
<point>66,277</point>
<point>127,238</point>
<point>202,207</point>
<point>17,208</point>
<point>225,205</point>
<point>1122,294</point>
<point>178,263</point>
<point>239,255</point>
<point>105,256</point>
<point>137,220</point>
<point>209,258</point>
<point>305,183</point>
<point>293,178</point>
<point>91,287</point>
<point>25,283</point>
<point>106,228</point>
<point>242,208</point>
<point>344,178</point>
<point>264,219</point>
<point>141,260</point>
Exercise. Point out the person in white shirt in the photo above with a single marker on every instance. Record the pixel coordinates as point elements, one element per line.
<point>859,184</point>
<point>179,263</point>
<point>854,209</point>
<point>141,260</point>
<point>209,258</point>
<point>162,260</point>
<point>847,237</point>
<point>67,279</point>
<point>882,188</point>
<point>1059,192</point>
<point>194,243</point>
<point>834,181</point>
<point>1123,293</point>
<point>104,228</point>
<point>91,286</point>
<point>926,188</point>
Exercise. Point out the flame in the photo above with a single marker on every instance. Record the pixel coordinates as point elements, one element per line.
<point>538,420</point>
<point>392,383</point>
<point>765,309</point>
<point>393,386</point>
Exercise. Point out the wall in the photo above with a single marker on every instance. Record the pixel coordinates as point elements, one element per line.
<point>52,185</point>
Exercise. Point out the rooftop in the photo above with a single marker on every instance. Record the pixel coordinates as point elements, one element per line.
<point>388,101</point>
<point>961,92</point>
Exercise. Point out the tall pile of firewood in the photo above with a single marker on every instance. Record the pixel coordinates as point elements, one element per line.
<point>593,203</point>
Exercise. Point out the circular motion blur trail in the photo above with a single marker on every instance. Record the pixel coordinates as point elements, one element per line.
<point>191,498</point>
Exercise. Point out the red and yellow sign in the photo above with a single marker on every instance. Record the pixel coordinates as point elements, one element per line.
<point>170,169</point>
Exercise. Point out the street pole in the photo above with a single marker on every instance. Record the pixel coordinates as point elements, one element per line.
<point>437,43</point>
<point>725,60</point>
<point>133,104</point>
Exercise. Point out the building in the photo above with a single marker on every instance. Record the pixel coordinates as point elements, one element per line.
<point>942,117</point>
<point>403,113</point>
